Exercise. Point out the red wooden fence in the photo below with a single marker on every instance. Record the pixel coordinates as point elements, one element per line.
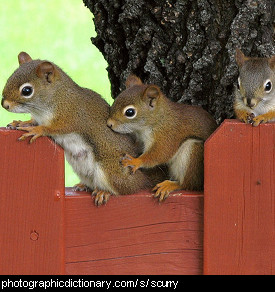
<point>47,229</point>
<point>239,195</point>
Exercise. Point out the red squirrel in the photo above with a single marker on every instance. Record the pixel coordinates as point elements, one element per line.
<point>75,118</point>
<point>255,94</point>
<point>170,133</point>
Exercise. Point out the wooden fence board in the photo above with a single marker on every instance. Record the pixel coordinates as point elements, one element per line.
<point>31,206</point>
<point>44,232</point>
<point>239,215</point>
<point>134,234</point>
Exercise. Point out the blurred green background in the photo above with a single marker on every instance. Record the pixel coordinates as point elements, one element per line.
<point>56,30</point>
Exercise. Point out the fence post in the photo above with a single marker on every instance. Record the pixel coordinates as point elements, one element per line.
<point>239,211</point>
<point>31,206</point>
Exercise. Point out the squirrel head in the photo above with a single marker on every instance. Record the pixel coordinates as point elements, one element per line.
<point>135,106</point>
<point>25,90</point>
<point>256,81</point>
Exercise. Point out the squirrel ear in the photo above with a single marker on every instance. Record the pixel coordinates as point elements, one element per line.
<point>46,70</point>
<point>132,80</point>
<point>271,62</point>
<point>151,95</point>
<point>240,57</point>
<point>24,58</point>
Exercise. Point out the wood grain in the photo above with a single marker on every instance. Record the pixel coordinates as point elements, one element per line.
<point>44,232</point>
<point>31,206</point>
<point>239,212</point>
<point>134,234</point>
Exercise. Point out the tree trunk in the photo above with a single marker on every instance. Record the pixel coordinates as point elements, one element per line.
<point>186,47</point>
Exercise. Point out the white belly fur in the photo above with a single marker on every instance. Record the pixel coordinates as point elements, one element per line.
<point>81,157</point>
<point>179,162</point>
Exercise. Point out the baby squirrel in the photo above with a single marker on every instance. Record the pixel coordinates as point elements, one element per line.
<point>75,118</point>
<point>255,94</point>
<point>171,133</point>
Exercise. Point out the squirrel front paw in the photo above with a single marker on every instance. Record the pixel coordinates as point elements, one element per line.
<point>246,117</point>
<point>134,163</point>
<point>14,125</point>
<point>261,119</point>
<point>35,131</point>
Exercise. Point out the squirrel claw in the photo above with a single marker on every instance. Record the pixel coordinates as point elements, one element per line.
<point>246,117</point>
<point>164,188</point>
<point>250,118</point>
<point>101,197</point>
<point>258,120</point>
<point>130,161</point>
<point>161,195</point>
<point>13,125</point>
<point>24,136</point>
<point>81,188</point>
<point>32,131</point>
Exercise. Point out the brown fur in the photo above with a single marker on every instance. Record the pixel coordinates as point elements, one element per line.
<point>162,126</point>
<point>60,107</point>
<point>252,103</point>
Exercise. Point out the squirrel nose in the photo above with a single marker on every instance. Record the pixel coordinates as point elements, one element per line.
<point>5,104</point>
<point>110,123</point>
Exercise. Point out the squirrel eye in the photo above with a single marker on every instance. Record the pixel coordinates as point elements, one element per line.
<point>26,90</point>
<point>267,86</point>
<point>130,112</point>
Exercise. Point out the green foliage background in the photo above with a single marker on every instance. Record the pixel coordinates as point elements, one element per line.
<point>56,30</point>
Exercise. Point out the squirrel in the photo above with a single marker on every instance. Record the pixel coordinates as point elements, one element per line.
<point>170,133</point>
<point>255,93</point>
<point>75,118</point>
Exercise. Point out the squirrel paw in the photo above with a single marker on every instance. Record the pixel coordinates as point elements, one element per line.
<point>250,118</point>
<point>81,188</point>
<point>101,197</point>
<point>259,120</point>
<point>247,117</point>
<point>163,189</point>
<point>35,131</point>
<point>134,163</point>
<point>15,124</point>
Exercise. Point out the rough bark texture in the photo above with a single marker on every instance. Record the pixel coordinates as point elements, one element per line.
<point>186,47</point>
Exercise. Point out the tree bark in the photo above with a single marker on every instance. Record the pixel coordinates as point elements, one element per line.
<point>186,47</point>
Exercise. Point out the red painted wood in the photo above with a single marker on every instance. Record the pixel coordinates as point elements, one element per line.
<point>239,211</point>
<point>43,232</point>
<point>130,235</point>
<point>31,206</point>
<point>134,234</point>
